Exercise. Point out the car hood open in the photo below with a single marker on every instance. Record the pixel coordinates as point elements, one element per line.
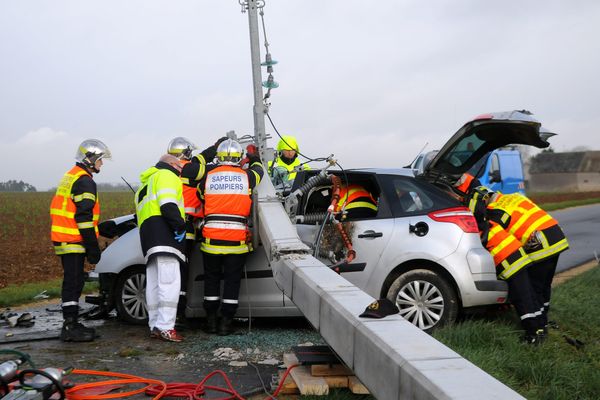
<point>484,134</point>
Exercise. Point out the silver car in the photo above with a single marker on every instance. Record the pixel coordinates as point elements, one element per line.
<point>422,250</point>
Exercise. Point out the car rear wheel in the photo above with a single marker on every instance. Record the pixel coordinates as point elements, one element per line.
<point>130,295</point>
<point>424,298</point>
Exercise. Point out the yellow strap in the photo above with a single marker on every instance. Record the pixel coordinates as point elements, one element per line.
<point>66,248</point>
<point>84,225</point>
<point>62,213</point>
<point>84,196</point>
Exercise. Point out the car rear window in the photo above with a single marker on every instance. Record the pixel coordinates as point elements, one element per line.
<point>410,196</point>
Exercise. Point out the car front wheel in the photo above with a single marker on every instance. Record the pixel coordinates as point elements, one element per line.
<point>130,295</point>
<point>424,298</point>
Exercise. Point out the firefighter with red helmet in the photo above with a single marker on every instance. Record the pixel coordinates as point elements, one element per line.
<point>227,194</point>
<point>74,213</point>
<point>511,260</point>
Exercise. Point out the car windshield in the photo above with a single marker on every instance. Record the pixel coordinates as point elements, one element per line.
<point>463,150</point>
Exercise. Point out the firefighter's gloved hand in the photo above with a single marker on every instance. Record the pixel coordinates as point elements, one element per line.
<point>180,236</point>
<point>221,140</point>
<point>92,253</point>
<point>252,154</point>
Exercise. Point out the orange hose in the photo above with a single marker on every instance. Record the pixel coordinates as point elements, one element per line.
<point>127,379</point>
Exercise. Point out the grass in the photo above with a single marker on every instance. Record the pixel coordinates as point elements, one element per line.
<point>14,295</point>
<point>566,204</point>
<point>554,370</point>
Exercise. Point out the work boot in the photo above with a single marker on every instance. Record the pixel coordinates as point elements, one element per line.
<point>72,331</point>
<point>542,335</point>
<point>86,328</point>
<point>211,322</point>
<point>225,326</point>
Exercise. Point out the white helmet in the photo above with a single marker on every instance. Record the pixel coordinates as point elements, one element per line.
<point>90,151</point>
<point>181,148</point>
<point>229,152</point>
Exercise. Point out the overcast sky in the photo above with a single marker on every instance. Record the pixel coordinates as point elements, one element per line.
<point>370,81</point>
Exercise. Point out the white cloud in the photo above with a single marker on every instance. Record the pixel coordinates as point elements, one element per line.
<point>41,137</point>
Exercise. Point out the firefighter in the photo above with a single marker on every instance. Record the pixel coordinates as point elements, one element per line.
<point>193,169</point>
<point>161,221</point>
<point>285,166</point>
<point>540,235</point>
<point>226,190</point>
<point>356,202</point>
<point>74,212</point>
<point>511,260</point>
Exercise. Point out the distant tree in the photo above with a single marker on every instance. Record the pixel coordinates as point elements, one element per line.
<point>580,148</point>
<point>548,150</point>
<point>14,186</point>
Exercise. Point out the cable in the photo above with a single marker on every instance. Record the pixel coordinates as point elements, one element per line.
<point>281,137</point>
<point>24,356</point>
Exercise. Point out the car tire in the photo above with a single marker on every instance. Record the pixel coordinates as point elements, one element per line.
<point>130,295</point>
<point>424,298</point>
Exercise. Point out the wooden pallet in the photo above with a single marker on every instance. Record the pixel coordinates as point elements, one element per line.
<point>316,380</point>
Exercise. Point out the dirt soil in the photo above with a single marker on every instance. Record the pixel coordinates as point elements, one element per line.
<point>248,358</point>
<point>33,260</point>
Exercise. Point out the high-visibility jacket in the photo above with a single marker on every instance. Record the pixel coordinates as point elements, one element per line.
<point>64,229</point>
<point>355,196</point>
<point>193,205</point>
<point>508,253</point>
<point>160,211</point>
<point>525,219</point>
<point>227,205</point>
<point>291,174</point>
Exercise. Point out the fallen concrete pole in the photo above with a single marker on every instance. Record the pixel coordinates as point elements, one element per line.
<point>392,357</point>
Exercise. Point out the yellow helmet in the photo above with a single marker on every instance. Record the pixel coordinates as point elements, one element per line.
<point>288,142</point>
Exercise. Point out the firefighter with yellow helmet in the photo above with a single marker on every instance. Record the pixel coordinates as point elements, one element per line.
<point>283,169</point>
<point>74,213</point>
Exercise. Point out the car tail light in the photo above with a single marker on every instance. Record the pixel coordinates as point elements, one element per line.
<point>460,216</point>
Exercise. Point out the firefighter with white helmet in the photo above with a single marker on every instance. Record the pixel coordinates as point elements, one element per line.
<point>226,190</point>
<point>283,169</point>
<point>75,212</point>
<point>194,168</point>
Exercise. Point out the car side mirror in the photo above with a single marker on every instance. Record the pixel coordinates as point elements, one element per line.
<point>495,176</point>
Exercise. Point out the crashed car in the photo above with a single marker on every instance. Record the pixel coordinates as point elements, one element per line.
<point>421,250</point>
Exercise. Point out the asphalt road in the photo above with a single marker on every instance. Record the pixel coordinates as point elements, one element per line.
<point>582,227</point>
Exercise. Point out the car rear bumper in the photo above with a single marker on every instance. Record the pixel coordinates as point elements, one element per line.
<point>491,286</point>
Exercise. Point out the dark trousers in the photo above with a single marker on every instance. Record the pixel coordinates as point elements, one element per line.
<point>522,296</point>
<point>229,267</point>
<point>72,285</point>
<point>541,274</point>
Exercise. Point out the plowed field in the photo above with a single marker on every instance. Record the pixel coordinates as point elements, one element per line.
<point>26,253</point>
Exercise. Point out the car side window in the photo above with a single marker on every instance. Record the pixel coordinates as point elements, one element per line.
<point>495,164</point>
<point>409,196</point>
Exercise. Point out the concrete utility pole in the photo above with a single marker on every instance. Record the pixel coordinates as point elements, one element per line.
<point>259,107</point>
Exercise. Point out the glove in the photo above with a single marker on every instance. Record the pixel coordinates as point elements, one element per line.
<point>92,250</point>
<point>92,253</point>
<point>180,236</point>
<point>252,154</point>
